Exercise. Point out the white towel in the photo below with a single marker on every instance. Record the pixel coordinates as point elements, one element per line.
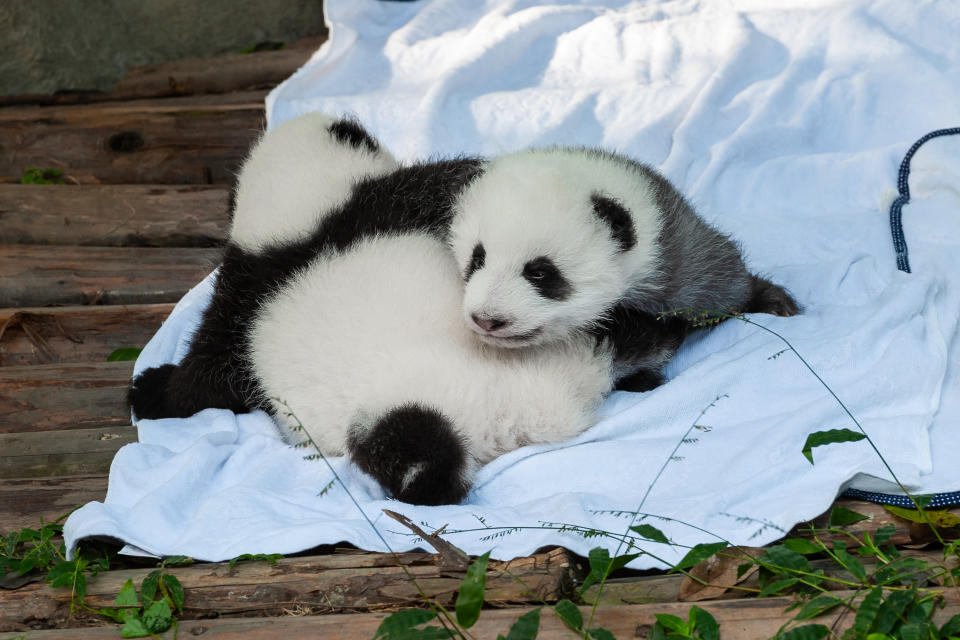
<point>785,123</point>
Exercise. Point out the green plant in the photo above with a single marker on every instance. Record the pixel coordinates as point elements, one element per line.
<point>124,354</point>
<point>153,612</point>
<point>33,175</point>
<point>270,558</point>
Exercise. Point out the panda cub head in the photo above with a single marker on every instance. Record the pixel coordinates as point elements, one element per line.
<point>549,240</point>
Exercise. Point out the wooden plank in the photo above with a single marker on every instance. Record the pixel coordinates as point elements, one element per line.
<point>189,76</point>
<point>64,396</point>
<point>197,140</point>
<point>43,335</point>
<point>28,502</point>
<point>34,276</point>
<point>237,72</point>
<point>755,619</point>
<point>113,215</point>
<point>316,584</point>
<point>43,454</point>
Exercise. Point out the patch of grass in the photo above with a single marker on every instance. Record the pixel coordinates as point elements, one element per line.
<point>33,175</point>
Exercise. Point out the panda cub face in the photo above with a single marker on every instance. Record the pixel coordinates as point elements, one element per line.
<point>548,240</point>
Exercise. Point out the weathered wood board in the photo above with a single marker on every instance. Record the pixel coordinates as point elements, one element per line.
<point>739,619</point>
<point>30,501</point>
<point>33,276</point>
<point>196,140</point>
<point>113,215</point>
<point>64,396</point>
<point>236,72</point>
<point>315,584</point>
<point>42,454</point>
<point>90,333</point>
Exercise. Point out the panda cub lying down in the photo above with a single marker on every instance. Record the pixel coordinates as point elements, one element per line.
<point>339,298</point>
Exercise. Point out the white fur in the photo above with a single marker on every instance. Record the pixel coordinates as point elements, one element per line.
<point>538,203</point>
<point>300,171</point>
<point>358,333</point>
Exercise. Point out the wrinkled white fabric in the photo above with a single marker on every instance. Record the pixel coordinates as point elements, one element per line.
<point>785,123</point>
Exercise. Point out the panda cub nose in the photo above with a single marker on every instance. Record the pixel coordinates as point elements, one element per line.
<point>489,324</point>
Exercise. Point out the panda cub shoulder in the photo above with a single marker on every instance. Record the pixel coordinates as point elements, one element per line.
<point>559,240</point>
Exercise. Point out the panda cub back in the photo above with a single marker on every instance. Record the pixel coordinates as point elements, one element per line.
<point>298,172</point>
<point>366,348</point>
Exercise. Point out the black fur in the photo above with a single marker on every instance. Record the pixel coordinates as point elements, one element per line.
<point>216,371</point>
<point>352,133</point>
<point>477,260</point>
<point>641,345</point>
<point>415,454</point>
<point>618,218</point>
<point>547,279</point>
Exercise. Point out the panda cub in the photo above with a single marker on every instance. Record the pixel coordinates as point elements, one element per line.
<point>558,240</point>
<point>346,314</point>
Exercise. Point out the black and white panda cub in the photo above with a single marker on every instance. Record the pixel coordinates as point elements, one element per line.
<point>557,240</point>
<point>347,314</point>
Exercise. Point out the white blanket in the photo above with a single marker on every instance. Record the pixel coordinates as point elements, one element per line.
<point>785,123</point>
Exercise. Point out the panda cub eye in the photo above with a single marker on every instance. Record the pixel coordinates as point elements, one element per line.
<point>547,279</point>
<point>477,260</point>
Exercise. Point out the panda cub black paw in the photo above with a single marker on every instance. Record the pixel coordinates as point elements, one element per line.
<point>414,453</point>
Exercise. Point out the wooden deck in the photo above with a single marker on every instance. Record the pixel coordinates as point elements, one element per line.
<point>96,264</point>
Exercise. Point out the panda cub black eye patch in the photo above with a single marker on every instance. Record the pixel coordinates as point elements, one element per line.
<point>477,259</point>
<point>546,278</point>
<point>616,216</point>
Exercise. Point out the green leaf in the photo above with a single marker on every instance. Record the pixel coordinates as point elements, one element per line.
<point>673,623</point>
<point>841,517</point>
<point>801,546</point>
<point>569,613</point>
<point>942,519</point>
<point>916,631</point>
<point>806,632</point>
<point>26,565</point>
<point>891,610</point>
<point>818,606</point>
<point>127,596</point>
<point>650,532</point>
<point>851,564</point>
<point>867,612</point>
<point>951,627</point>
<point>174,590</point>
<point>176,561</point>
<point>158,617</point>
<point>470,598</point>
<point>124,354</point>
<point>601,566</point>
<point>401,621</point>
<point>117,615</point>
<point>774,588</point>
<point>526,626</point>
<point>134,628</point>
<point>782,558</point>
<point>833,436</point>
<point>705,624</point>
<point>878,636</point>
<point>884,534</point>
<point>599,633</point>
<point>149,587</point>
<point>698,554</point>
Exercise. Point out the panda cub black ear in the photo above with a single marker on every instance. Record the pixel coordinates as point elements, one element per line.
<point>616,216</point>
<point>351,133</point>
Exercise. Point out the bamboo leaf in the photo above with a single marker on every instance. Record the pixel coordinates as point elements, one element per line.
<point>833,436</point>
<point>470,598</point>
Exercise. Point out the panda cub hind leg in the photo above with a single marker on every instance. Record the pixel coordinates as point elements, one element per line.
<point>767,297</point>
<point>415,453</point>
